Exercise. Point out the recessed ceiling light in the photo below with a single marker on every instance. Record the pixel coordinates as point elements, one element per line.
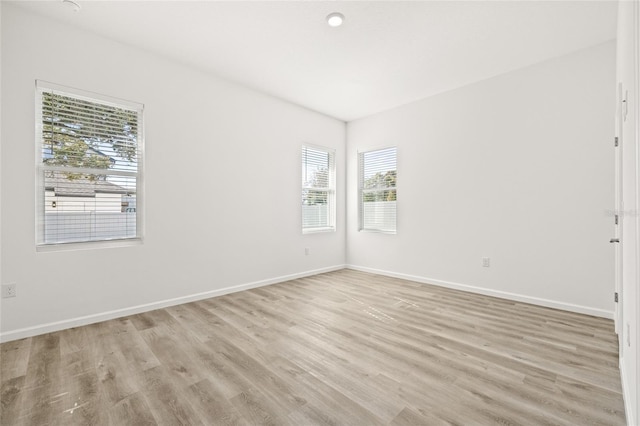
<point>72,4</point>
<point>335,19</point>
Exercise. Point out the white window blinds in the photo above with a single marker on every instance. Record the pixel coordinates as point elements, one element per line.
<point>89,166</point>
<point>377,190</point>
<point>318,189</point>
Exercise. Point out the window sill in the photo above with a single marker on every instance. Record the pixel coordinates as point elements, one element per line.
<point>88,245</point>
<point>378,231</point>
<point>318,230</point>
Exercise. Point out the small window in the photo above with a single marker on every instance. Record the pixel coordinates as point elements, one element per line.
<point>89,150</point>
<point>377,190</point>
<point>318,189</point>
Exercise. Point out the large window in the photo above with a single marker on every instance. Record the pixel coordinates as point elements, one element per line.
<point>318,189</point>
<point>377,190</point>
<point>89,165</point>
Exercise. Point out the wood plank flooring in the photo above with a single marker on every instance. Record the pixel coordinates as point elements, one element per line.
<point>342,348</point>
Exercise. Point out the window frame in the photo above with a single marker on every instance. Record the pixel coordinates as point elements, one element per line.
<point>330,190</point>
<point>361,191</point>
<point>88,96</point>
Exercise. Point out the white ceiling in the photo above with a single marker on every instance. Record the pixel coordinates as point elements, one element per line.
<point>387,53</point>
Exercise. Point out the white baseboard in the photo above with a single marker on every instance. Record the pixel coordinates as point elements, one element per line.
<point>104,316</point>
<point>495,293</point>
<point>626,396</point>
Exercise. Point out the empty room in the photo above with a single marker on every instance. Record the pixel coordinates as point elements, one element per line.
<point>319,212</point>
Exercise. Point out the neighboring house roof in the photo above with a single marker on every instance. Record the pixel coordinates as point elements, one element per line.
<point>81,187</point>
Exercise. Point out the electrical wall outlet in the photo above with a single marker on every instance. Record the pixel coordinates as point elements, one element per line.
<point>307,251</point>
<point>486,262</point>
<point>8,290</point>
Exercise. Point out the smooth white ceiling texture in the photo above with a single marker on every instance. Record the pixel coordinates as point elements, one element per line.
<point>386,54</point>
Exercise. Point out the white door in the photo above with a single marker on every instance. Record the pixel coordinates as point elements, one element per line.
<point>618,216</point>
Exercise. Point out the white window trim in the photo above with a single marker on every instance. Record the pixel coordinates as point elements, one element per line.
<point>331,191</point>
<point>361,227</point>
<point>41,246</point>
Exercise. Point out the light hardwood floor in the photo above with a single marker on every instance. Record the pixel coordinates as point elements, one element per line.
<point>344,347</point>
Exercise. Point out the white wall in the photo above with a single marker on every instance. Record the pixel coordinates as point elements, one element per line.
<point>628,75</point>
<point>518,168</point>
<point>228,156</point>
